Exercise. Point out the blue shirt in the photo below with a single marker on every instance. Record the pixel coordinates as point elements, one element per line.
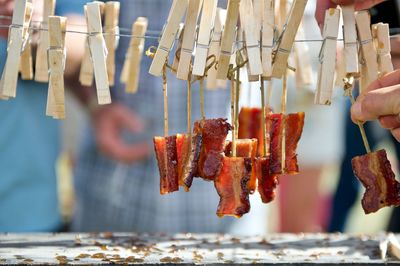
<point>29,144</point>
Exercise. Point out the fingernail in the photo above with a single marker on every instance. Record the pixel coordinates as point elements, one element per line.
<point>356,111</point>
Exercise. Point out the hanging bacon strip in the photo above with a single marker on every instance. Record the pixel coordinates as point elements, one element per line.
<point>188,153</point>
<point>267,183</point>
<point>231,185</point>
<point>375,173</point>
<point>293,125</point>
<point>245,148</point>
<point>294,128</point>
<point>213,132</point>
<point>166,154</point>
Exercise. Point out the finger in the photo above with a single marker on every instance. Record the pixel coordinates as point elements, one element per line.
<point>390,121</point>
<point>377,103</point>
<point>390,79</point>
<point>396,134</point>
<point>321,7</point>
<point>343,2</point>
<point>362,4</point>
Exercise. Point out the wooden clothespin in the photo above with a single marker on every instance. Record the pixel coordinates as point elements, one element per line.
<point>267,37</point>
<point>252,30</point>
<point>286,39</point>
<point>303,73</point>
<point>212,81</point>
<point>327,57</point>
<point>281,14</point>
<point>56,56</point>
<point>26,63</point>
<point>170,31</point>
<point>87,72</point>
<point>111,29</point>
<point>98,51</point>
<point>8,84</point>
<point>179,37</point>
<point>369,55</point>
<point>382,41</point>
<point>41,67</point>
<point>228,39</point>
<point>205,36</point>
<point>350,40</point>
<point>189,37</point>
<point>131,69</point>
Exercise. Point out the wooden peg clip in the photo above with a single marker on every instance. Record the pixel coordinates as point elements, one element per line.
<point>327,57</point>
<point>369,55</point>
<point>228,38</point>
<point>205,36</point>
<point>170,31</point>
<point>26,63</point>
<point>188,40</point>
<point>41,67</point>
<point>286,40</point>
<point>56,56</point>
<point>215,46</point>
<point>267,37</point>
<point>303,73</point>
<point>179,37</point>
<point>252,29</point>
<point>8,83</point>
<point>382,38</point>
<point>131,69</point>
<point>98,51</point>
<point>350,40</point>
<point>111,29</point>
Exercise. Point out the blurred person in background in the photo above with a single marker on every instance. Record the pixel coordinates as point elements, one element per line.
<point>29,139</point>
<point>116,176</point>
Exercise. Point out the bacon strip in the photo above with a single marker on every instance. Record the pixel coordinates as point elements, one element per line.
<point>165,148</point>
<point>188,154</point>
<point>375,173</point>
<point>214,132</point>
<point>267,183</point>
<point>231,185</point>
<point>293,126</point>
<point>294,129</point>
<point>245,148</point>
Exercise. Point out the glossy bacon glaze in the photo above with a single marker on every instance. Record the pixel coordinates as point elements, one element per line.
<point>231,185</point>
<point>267,183</point>
<point>214,132</point>
<point>166,154</point>
<point>375,173</point>
<point>275,124</point>
<point>188,154</point>
<point>293,130</point>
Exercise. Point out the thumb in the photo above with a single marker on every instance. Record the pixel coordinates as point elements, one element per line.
<point>377,103</point>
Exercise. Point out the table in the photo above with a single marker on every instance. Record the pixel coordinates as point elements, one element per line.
<point>130,248</point>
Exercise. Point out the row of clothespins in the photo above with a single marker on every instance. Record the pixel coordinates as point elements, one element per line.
<point>99,56</point>
<point>366,51</point>
<point>218,32</point>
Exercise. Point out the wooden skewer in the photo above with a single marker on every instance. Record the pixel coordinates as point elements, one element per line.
<point>237,96</point>
<point>269,93</point>
<point>233,114</point>
<point>165,93</point>
<point>283,111</point>
<point>202,111</point>
<point>189,103</point>
<point>264,115</point>
<point>348,88</point>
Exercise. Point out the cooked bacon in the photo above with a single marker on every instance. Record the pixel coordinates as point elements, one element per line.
<point>293,125</point>
<point>375,173</point>
<point>231,185</point>
<point>275,125</point>
<point>188,152</point>
<point>245,148</point>
<point>267,183</point>
<point>166,154</point>
<point>250,126</point>
<point>213,132</point>
<point>294,128</point>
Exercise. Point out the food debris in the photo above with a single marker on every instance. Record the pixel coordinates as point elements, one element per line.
<point>220,255</point>
<point>171,260</point>
<point>98,256</point>
<point>82,256</point>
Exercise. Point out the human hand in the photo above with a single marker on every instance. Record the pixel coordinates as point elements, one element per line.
<point>381,101</point>
<point>109,121</point>
<point>323,5</point>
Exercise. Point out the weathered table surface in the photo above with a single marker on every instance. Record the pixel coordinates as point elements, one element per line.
<point>109,248</point>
